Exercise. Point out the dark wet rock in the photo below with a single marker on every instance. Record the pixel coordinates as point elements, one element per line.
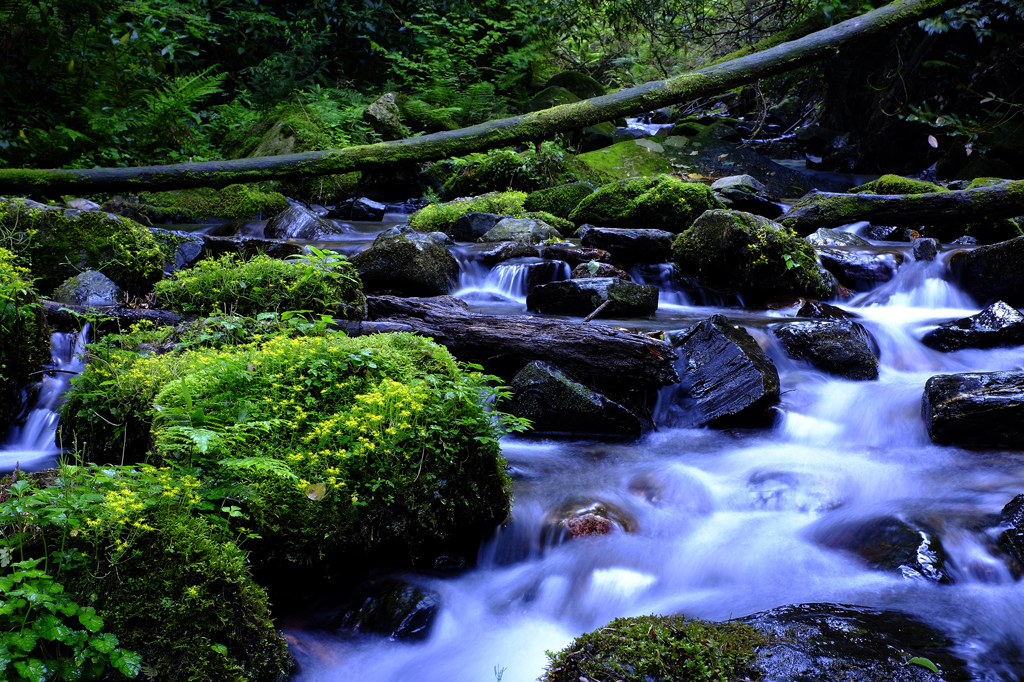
<point>583,296</point>
<point>966,240</point>
<point>745,193</point>
<point>824,311</point>
<point>887,543</point>
<point>356,209</point>
<point>757,258</point>
<point>860,270</point>
<point>926,249</point>
<point>574,255</point>
<point>843,643</point>
<point>996,325</point>
<point>991,273</point>
<point>522,230</point>
<point>826,236</point>
<point>406,261</point>
<point>441,238</point>
<point>88,288</point>
<point>392,608</point>
<point>976,409</point>
<point>1012,539</point>
<point>534,271</point>
<point>595,518</point>
<point>884,233</point>
<point>298,222</point>
<point>471,226</point>
<point>583,271</point>
<point>629,245</point>
<point>558,405</point>
<point>227,229</point>
<point>840,347</point>
<point>725,378</point>
<point>185,248</point>
<point>506,251</point>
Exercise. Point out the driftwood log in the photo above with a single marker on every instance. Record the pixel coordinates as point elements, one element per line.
<point>824,209</point>
<point>594,354</point>
<point>710,80</point>
<point>68,318</point>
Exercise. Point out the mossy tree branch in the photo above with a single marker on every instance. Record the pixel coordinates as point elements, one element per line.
<point>709,80</point>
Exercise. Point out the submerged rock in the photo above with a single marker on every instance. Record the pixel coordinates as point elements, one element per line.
<point>506,251</point>
<point>926,249</point>
<point>88,288</point>
<point>859,270</point>
<point>991,273</point>
<point>1012,539</point>
<point>358,209</point>
<point>596,518</point>
<point>887,543</point>
<point>824,311</point>
<point>298,222</point>
<point>826,236</point>
<point>392,608</point>
<point>556,404</point>
<point>725,378</point>
<point>583,296</point>
<point>977,409</point>
<point>996,325</point>
<point>840,347</point>
<point>405,261</point>
<point>522,230</point>
<point>849,643</point>
<point>629,245</point>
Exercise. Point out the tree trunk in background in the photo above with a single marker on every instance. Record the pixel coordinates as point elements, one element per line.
<point>709,80</point>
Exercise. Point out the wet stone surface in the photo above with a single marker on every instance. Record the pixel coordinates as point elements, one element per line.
<point>997,325</point>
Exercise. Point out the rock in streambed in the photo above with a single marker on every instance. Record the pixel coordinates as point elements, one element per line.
<point>840,347</point>
<point>975,409</point>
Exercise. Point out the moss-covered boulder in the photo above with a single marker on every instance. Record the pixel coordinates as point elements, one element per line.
<point>579,84</point>
<point>520,230</point>
<point>551,96</point>
<point>661,202</point>
<point>205,204</point>
<point>507,169</point>
<point>24,336</point>
<point>442,217</point>
<point>229,284</point>
<point>187,603</point>
<point>409,263</point>
<point>88,288</point>
<point>560,200</point>
<point>757,258</point>
<point>58,243</point>
<point>896,184</point>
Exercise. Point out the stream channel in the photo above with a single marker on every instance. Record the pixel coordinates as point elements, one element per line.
<point>724,523</point>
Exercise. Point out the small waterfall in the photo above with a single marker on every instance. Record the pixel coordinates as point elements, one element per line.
<point>30,443</point>
<point>511,280</point>
<point>661,276</point>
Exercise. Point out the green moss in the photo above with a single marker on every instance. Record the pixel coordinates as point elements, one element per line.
<point>339,449</point>
<point>985,182</point>
<point>24,336</point>
<point>234,202</point>
<point>895,184</point>
<point>264,284</point>
<point>561,224</point>
<point>669,648</point>
<point>507,169</point>
<point>187,603</point>
<point>59,243</point>
<point>559,201</point>
<point>625,160</point>
<point>754,256</point>
<point>661,202</point>
<point>442,217</point>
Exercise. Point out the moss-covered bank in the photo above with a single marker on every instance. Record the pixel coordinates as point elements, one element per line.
<point>899,185</point>
<point>203,204</point>
<point>442,217</point>
<point>24,336</point>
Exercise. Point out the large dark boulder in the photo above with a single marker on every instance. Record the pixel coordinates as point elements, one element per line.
<point>977,409</point>
<point>887,543</point>
<point>583,296</point>
<point>182,249</point>
<point>860,270</point>
<point>992,273</point>
<point>471,226</point>
<point>403,260</point>
<point>725,378</point>
<point>629,245</point>
<point>298,222</point>
<point>745,193</point>
<point>996,325</point>
<point>558,405</point>
<point>359,209</point>
<point>392,608</point>
<point>811,642</point>
<point>88,288</point>
<point>660,202</point>
<point>757,258</point>
<point>1012,539</point>
<point>588,271</point>
<point>840,347</point>
<point>525,230</point>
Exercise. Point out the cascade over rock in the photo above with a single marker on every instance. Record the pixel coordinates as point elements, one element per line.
<point>996,325</point>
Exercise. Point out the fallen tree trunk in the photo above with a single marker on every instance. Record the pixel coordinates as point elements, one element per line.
<point>594,354</point>
<point>824,209</point>
<point>535,126</point>
<point>70,318</point>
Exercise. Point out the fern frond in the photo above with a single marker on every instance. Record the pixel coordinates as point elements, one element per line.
<point>259,465</point>
<point>176,99</point>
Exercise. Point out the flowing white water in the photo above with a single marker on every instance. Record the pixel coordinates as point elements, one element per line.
<point>726,523</point>
<point>30,443</point>
<point>509,281</point>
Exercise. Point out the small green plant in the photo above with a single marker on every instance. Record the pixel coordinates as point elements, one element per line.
<point>40,637</point>
<point>924,663</point>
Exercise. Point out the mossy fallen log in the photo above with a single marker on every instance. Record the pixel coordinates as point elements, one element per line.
<point>824,209</point>
<point>710,80</point>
